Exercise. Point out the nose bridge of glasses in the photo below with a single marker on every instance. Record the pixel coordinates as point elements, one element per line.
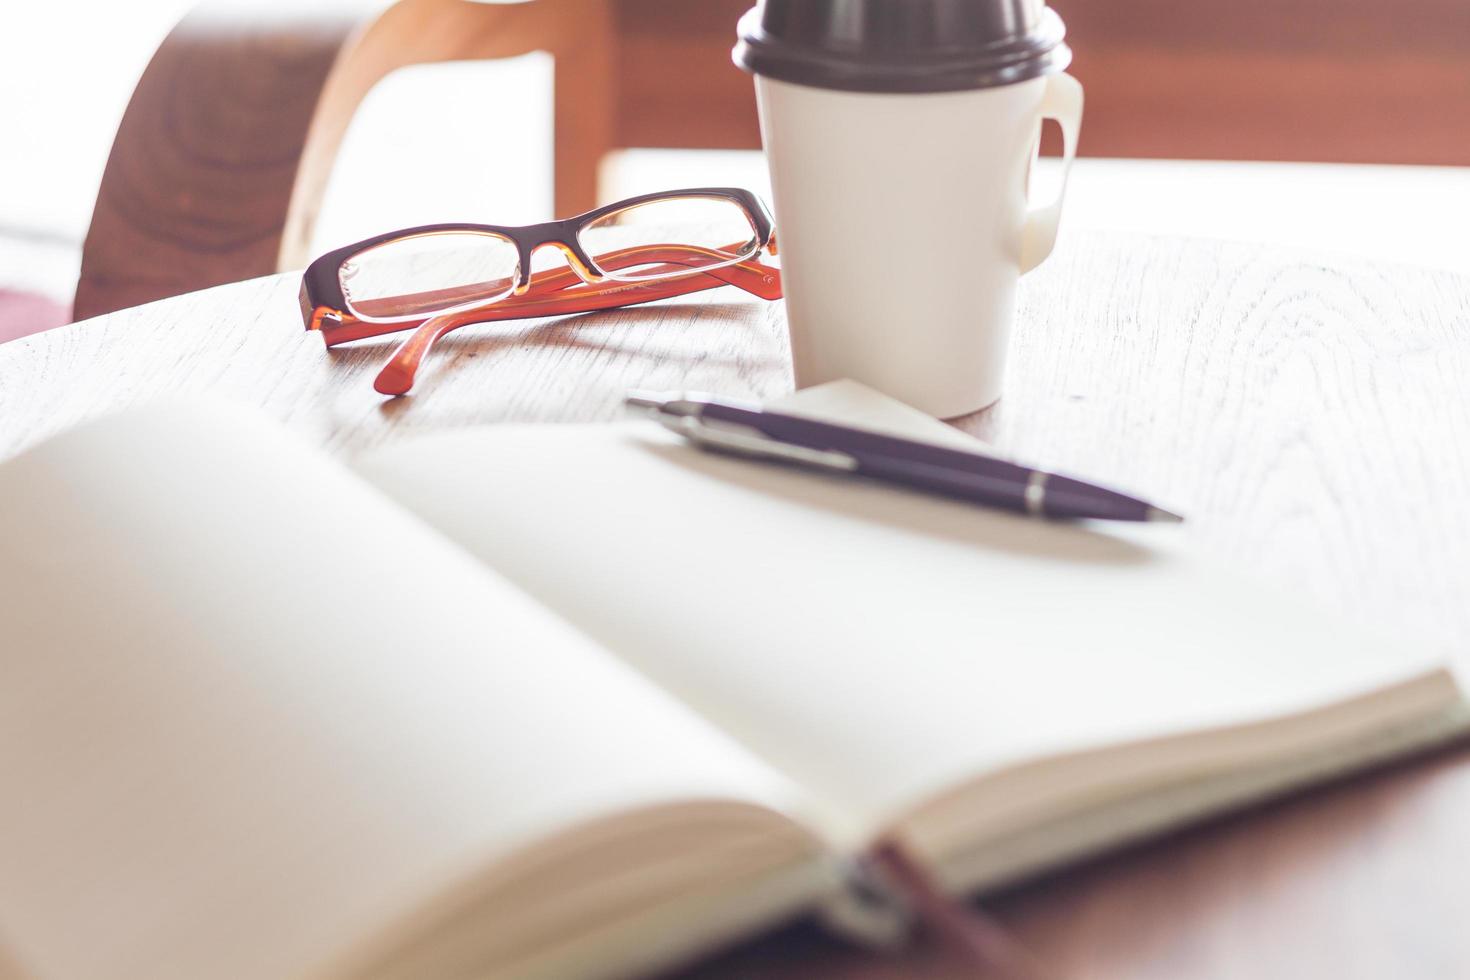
<point>562,236</point>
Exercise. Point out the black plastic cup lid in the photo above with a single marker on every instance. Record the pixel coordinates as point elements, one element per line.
<point>902,45</point>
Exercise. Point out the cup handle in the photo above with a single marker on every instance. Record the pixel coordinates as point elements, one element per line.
<point>1062,101</point>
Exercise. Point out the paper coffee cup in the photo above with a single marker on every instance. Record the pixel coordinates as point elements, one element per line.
<point>900,136</point>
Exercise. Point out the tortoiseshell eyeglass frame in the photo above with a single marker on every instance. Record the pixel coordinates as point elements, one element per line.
<point>582,286</point>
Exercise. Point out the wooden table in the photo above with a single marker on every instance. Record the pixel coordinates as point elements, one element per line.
<point>1310,414</point>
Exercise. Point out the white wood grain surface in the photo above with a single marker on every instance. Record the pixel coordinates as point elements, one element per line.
<point>1310,415</point>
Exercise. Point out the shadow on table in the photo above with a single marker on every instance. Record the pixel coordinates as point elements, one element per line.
<point>587,331</point>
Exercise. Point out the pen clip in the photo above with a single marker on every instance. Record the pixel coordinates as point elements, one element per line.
<point>744,440</point>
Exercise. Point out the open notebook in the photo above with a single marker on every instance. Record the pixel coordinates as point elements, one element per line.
<point>583,701</point>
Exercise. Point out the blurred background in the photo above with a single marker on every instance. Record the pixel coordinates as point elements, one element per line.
<point>1379,90</point>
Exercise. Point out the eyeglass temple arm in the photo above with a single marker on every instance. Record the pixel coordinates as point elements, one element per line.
<point>752,276</point>
<point>572,295</point>
<point>398,374</point>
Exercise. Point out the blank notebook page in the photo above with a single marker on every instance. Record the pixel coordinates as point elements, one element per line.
<point>879,645</point>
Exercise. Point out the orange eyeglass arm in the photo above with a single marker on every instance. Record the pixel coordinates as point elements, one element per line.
<point>398,374</point>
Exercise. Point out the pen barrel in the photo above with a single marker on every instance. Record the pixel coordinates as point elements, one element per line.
<point>1066,497</point>
<point>956,473</point>
<point>1010,487</point>
<point>1004,490</point>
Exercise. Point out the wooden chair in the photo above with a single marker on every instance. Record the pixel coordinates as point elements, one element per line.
<point>220,162</point>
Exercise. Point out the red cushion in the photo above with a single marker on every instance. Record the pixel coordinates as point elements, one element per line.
<point>22,314</point>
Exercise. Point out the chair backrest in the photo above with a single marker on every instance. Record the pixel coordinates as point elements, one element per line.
<point>221,160</point>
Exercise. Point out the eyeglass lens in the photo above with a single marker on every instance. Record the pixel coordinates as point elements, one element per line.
<point>669,237</point>
<point>427,274</point>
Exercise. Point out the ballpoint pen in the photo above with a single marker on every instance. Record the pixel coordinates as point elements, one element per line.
<point>748,430</point>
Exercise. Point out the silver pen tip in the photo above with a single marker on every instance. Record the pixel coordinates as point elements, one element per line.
<point>664,404</point>
<point>1164,516</point>
<point>648,401</point>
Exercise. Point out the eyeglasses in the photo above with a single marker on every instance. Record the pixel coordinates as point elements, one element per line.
<point>438,278</point>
